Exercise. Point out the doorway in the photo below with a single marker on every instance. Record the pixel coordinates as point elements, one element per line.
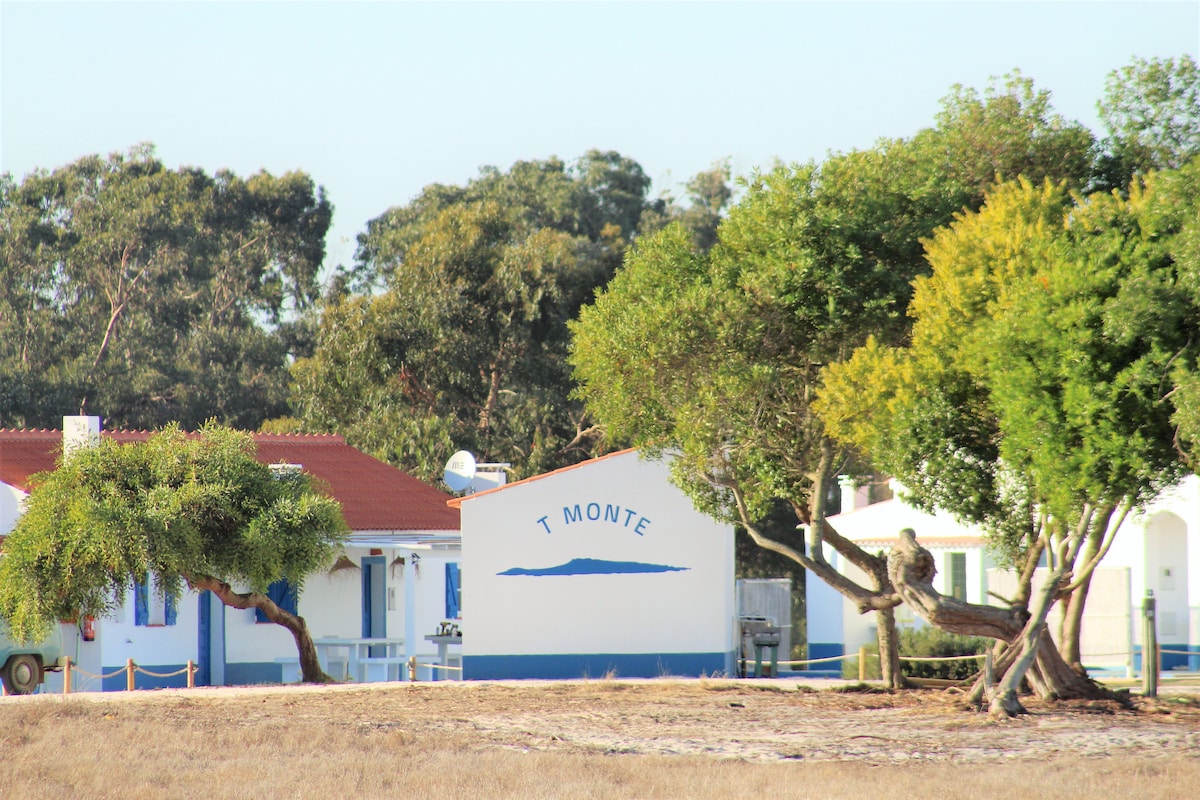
<point>374,601</point>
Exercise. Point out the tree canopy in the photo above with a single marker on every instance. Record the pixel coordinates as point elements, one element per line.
<point>718,354</point>
<point>1032,396</point>
<point>197,511</point>
<point>1151,110</point>
<point>154,295</point>
<point>463,342</point>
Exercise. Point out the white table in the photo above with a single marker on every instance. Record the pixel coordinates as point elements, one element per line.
<point>443,643</point>
<point>358,653</point>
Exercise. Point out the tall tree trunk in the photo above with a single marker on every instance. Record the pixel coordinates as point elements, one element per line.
<point>310,665</point>
<point>1072,624</point>
<point>889,650</point>
<point>1061,678</point>
<point>880,598</point>
<point>1075,600</point>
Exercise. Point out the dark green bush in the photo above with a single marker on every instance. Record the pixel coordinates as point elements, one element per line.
<point>930,642</point>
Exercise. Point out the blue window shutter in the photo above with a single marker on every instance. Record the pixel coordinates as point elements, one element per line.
<point>171,612</point>
<point>282,594</point>
<point>289,599</point>
<point>452,589</point>
<point>141,603</point>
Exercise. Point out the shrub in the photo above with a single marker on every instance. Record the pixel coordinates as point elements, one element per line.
<point>930,642</point>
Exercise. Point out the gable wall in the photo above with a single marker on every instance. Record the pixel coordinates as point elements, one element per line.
<point>619,510</point>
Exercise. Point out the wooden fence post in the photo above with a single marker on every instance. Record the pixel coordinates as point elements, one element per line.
<point>412,668</point>
<point>67,676</point>
<point>1150,656</point>
<point>129,671</point>
<point>862,663</point>
<point>191,679</point>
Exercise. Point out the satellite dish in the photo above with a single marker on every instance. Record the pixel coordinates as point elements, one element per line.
<point>460,469</point>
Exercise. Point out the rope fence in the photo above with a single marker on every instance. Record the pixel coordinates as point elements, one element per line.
<point>131,669</point>
<point>863,654</point>
<point>431,665</point>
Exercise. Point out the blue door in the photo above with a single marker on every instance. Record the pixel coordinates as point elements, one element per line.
<point>374,602</point>
<point>204,645</point>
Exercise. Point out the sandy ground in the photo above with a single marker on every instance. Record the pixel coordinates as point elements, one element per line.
<point>752,720</point>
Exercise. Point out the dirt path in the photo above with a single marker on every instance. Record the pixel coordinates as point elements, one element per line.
<point>760,721</point>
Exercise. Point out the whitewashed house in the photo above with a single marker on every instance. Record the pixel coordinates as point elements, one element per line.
<point>1154,550</point>
<point>397,577</point>
<point>1159,548</point>
<point>596,569</point>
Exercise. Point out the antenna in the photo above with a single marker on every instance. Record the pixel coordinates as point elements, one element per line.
<point>460,469</point>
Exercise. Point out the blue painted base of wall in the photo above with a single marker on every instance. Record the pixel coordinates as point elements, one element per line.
<point>1170,661</point>
<point>827,669</point>
<point>569,666</point>
<point>248,673</point>
<point>243,674</point>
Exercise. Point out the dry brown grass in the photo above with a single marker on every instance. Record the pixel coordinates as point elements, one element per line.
<point>597,739</point>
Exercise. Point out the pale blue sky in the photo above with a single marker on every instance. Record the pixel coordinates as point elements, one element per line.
<point>377,99</point>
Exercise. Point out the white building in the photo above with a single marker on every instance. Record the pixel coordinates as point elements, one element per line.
<point>596,569</point>
<point>396,577</point>
<point>1154,551</point>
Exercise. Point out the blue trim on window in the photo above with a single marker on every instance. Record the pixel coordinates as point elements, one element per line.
<point>570,666</point>
<point>453,596</point>
<point>282,594</point>
<point>141,603</point>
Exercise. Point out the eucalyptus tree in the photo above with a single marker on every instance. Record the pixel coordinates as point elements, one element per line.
<point>1030,400</point>
<point>150,293</point>
<point>1151,111</point>
<point>197,511</point>
<point>452,333</point>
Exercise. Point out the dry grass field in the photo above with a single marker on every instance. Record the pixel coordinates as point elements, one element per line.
<point>589,739</point>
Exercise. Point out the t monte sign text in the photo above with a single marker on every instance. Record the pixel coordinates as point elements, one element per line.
<point>611,513</point>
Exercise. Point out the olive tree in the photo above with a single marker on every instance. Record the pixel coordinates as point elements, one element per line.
<point>1031,400</point>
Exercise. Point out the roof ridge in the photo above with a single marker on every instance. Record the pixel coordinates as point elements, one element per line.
<point>256,434</point>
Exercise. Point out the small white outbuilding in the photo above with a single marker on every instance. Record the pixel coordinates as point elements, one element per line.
<point>602,568</point>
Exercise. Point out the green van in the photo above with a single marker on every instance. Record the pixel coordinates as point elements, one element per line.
<point>25,665</point>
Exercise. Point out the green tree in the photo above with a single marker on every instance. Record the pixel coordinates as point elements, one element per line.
<point>157,295</point>
<point>1030,401</point>
<point>1151,110</point>
<point>457,336</point>
<point>708,195</point>
<point>718,354</point>
<point>196,510</point>
<point>1010,131</point>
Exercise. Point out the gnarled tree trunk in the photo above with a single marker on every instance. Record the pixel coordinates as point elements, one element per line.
<point>881,598</point>
<point>1030,651</point>
<point>310,665</point>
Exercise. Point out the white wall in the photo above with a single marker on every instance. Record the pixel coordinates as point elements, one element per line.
<point>331,604</point>
<point>627,512</point>
<point>10,506</point>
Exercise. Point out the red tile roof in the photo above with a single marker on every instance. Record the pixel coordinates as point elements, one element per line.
<point>375,496</point>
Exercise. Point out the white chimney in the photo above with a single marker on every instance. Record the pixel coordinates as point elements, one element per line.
<point>854,496</point>
<point>79,432</point>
